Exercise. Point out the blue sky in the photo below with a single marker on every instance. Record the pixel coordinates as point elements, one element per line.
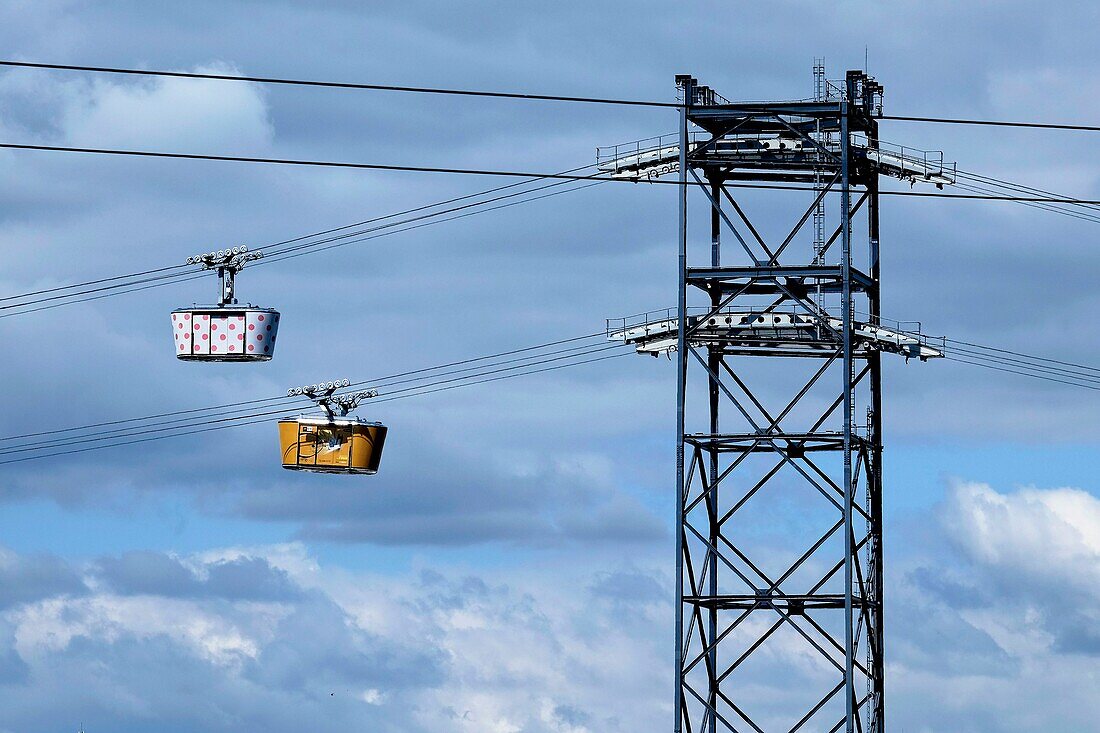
<point>510,567</point>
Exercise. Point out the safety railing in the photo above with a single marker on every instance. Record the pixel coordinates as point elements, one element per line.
<point>910,161</point>
<point>616,328</point>
<point>640,153</point>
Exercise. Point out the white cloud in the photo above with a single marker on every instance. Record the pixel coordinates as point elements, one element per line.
<point>460,653</point>
<point>50,626</point>
<point>542,649</point>
<point>291,557</point>
<point>170,114</point>
<point>1048,537</point>
<point>372,696</point>
<point>1001,617</point>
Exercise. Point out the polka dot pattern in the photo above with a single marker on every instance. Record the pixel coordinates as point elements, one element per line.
<point>262,328</point>
<point>220,335</point>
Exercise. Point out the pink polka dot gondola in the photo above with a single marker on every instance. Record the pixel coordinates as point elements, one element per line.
<point>217,333</point>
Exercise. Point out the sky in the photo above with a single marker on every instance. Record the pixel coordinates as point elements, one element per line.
<point>511,567</point>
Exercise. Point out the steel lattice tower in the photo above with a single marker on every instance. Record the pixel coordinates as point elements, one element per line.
<point>779,511</point>
<point>827,591</point>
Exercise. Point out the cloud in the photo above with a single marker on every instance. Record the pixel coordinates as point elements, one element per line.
<point>937,637</point>
<point>25,579</point>
<point>194,644</point>
<point>537,655</point>
<point>437,651</point>
<point>1038,554</point>
<point>1045,540</point>
<point>13,670</point>
<point>168,114</point>
<point>454,500</point>
<point>270,636</point>
<point>999,614</point>
<point>154,573</point>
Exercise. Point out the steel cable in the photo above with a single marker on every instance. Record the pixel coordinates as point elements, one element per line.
<point>265,417</point>
<point>377,380</point>
<point>293,401</point>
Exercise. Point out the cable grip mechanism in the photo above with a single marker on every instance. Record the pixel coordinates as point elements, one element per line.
<point>334,405</point>
<point>228,262</point>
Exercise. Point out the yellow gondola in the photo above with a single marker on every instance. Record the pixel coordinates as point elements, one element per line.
<point>333,442</point>
<point>331,445</point>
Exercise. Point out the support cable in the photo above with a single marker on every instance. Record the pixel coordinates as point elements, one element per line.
<point>1028,356</point>
<point>988,185</point>
<point>306,243</point>
<point>1019,187</point>
<point>504,173</point>
<point>339,84</point>
<point>1022,373</point>
<point>300,248</point>
<point>993,123</point>
<point>1031,365</point>
<point>303,162</point>
<point>436,379</point>
<point>523,362</point>
<point>487,93</point>
<point>378,380</point>
<point>426,389</point>
<point>1037,205</point>
<point>293,240</point>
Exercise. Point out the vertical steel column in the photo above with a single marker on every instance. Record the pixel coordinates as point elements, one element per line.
<point>681,378</point>
<point>876,643</point>
<point>846,320</point>
<point>714,364</point>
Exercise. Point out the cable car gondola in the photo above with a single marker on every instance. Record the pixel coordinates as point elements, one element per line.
<point>226,331</point>
<point>333,442</point>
